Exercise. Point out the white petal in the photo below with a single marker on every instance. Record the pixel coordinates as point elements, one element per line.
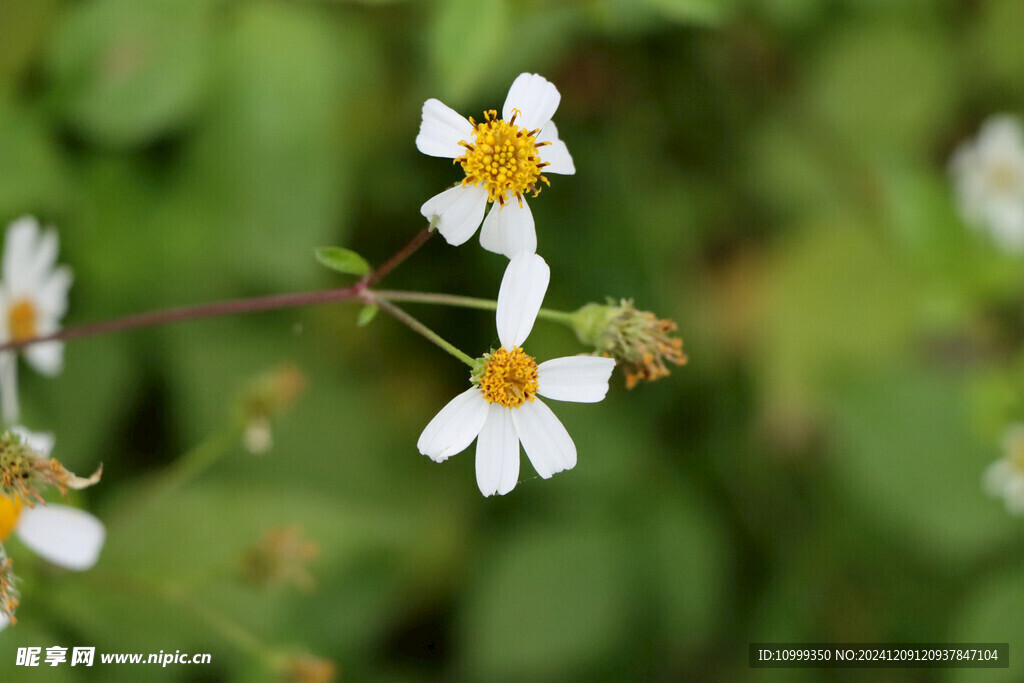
<point>509,230</point>
<point>458,212</point>
<point>1005,218</point>
<point>455,426</point>
<point>1013,492</point>
<point>47,357</point>
<point>497,453</point>
<point>547,444</point>
<point>9,388</point>
<point>65,536</point>
<point>555,154</point>
<point>999,135</point>
<point>52,297</point>
<point>4,622</point>
<point>441,130</point>
<point>519,298</point>
<point>40,442</point>
<point>19,248</point>
<point>44,257</point>
<point>535,98</point>
<point>583,379</point>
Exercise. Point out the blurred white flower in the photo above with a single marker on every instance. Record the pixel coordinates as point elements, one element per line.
<point>501,409</point>
<point>503,158</point>
<point>989,177</point>
<point>66,536</point>
<point>33,299</point>
<point>1005,477</point>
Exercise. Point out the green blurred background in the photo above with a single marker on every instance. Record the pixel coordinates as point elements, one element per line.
<point>769,173</point>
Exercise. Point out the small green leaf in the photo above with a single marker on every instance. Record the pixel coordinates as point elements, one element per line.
<point>366,314</point>
<point>343,260</point>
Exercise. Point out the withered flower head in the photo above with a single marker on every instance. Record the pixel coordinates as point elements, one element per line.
<point>306,668</point>
<point>280,557</point>
<point>8,593</point>
<point>642,343</point>
<point>266,397</point>
<point>25,469</point>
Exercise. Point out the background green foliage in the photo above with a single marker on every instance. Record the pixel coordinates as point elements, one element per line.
<point>769,173</point>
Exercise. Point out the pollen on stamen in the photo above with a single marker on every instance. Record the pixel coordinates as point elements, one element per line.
<point>24,472</point>
<point>23,320</point>
<point>502,158</point>
<point>9,597</point>
<point>508,378</point>
<point>10,514</point>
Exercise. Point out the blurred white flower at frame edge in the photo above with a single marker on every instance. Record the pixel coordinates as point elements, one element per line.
<point>1005,477</point>
<point>33,299</point>
<point>66,536</point>
<point>989,176</point>
<point>503,160</point>
<point>501,409</point>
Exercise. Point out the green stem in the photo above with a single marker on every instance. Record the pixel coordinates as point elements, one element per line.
<point>196,461</point>
<point>422,329</point>
<point>175,594</point>
<point>185,469</point>
<point>232,631</point>
<point>566,318</point>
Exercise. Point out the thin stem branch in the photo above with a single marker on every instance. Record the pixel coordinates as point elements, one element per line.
<point>405,252</point>
<point>182,471</point>
<point>231,307</point>
<point>422,329</point>
<point>177,594</point>
<point>218,308</point>
<point>462,302</point>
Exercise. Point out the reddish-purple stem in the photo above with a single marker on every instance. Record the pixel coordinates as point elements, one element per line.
<point>131,322</point>
<point>264,303</point>
<point>405,252</point>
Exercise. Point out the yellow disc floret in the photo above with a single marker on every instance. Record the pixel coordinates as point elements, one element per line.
<point>502,158</point>
<point>508,378</point>
<point>23,320</point>
<point>10,513</point>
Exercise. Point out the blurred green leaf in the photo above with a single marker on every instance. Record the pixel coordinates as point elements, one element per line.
<point>906,452</point>
<point>835,300</point>
<point>992,612</point>
<point>267,173</point>
<point>686,555</point>
<point>467,41</point>
<point>343,260</point>
<point>30,156</point>
<point>23,27</point>
<point>885,90</point>
<point>546,601</point>
<point>125,72</point>
<point>367,314</point>
<point>693,11</point>
<point>995,44</point>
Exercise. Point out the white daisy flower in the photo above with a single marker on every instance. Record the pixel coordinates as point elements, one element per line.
<point>502,158</point>
<point>501,409</point>
<point>989,177</point>
<point>1005,477</point>
<point>33,299</point>
<point>66,536</point>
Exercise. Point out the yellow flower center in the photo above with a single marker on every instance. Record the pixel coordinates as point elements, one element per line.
<point>502,158</point>
<point>509,378</point>
<point>1016,454</point>
<point>1003,177</point>
<point>22,319</point>
<point>10,513</point>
